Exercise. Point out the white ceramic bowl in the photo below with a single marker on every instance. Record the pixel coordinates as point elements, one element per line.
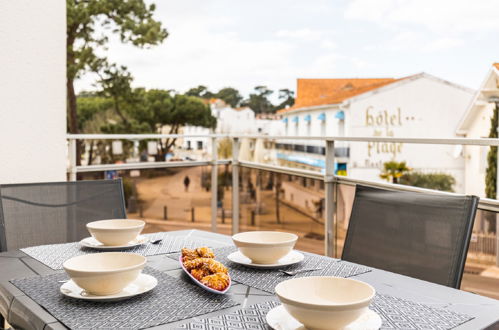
<point>265,247</point>
<point>104,273</point>
<point>325,302</point>
<point>116,231</point>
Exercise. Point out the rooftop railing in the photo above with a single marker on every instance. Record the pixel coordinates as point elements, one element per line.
<point>328,176</point>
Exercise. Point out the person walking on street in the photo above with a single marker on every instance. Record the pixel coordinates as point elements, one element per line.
<point>187,181</point>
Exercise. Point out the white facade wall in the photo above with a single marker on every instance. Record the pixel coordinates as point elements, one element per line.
<point>476,156</point>
<point>232,121</point>
<point>420,107</point>
<point>316,127</point>
<point>32,91</point>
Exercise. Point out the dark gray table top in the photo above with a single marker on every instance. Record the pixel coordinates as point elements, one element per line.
<point>24,313</point>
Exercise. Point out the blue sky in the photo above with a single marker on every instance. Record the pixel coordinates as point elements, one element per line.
<point>243,44</point>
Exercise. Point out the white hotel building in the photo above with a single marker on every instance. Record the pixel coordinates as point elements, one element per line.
<point>476,124</point>
<point>416,106</point>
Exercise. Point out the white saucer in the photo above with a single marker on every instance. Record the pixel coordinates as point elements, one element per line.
<point>279,319</point>
<point>142,284</point>
<point>92,243</point>
<point>291,258</point>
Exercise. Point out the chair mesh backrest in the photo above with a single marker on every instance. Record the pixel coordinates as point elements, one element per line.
<point>421,235</point>
<point>46,213</point>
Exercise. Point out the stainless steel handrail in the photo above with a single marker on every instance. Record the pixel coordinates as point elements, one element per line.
<point>452,141</point>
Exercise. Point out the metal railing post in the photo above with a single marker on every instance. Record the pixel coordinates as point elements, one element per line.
<point>72,159</point>
<point>497,197</point>
<point>214,184</point>
<point>329,183</point>
<point>235,185</point>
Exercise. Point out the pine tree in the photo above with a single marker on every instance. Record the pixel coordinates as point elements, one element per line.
<point>491,174</point>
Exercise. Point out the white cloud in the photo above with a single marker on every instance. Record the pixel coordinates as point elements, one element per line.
<point>222,43</point>
<point>301,34</point>
<point>210,50</point>
<point>442,44</point>
<point>328,44</point>
<point>442,16</point>
<point>416,42</point>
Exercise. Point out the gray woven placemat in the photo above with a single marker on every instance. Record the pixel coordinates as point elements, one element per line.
<point>267,279</point>
<point>171,300</point>
<point>54,255</point>
<point>395,313</point>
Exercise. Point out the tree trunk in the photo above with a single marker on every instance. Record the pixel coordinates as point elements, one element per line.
<point>91,153</point>
<point>73,117</point>
<point>118,111</point>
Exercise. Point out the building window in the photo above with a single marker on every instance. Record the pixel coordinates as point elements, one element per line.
<point>200,145</point>
<point>189,147</point>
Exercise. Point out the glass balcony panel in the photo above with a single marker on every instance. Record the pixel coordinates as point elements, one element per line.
<point>273,201</point>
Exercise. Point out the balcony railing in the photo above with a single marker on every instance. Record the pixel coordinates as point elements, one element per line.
<point>328,177</point>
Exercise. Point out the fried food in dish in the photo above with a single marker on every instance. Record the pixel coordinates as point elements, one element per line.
<point>202,252</point>
<point>209,264</point>
<point>199,273</point>
<point>218,281</point>
<point>216,266</point>
<point>205,252</point>
<point>197,263</point>
<point>188,254</point>
<point>202,265</point>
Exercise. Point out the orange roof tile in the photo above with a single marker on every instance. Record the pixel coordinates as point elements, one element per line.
<point>316,92</point>
<point>496,65</point>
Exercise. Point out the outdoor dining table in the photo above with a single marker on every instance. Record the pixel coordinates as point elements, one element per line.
<point>24,313</point>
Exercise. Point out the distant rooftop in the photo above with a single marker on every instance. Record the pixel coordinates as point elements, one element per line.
<point>316,92</point>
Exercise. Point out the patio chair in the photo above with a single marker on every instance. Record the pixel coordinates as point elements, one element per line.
<point>55,212</point>
<point>421,235</point>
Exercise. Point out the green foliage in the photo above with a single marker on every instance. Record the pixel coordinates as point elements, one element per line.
<point>230,96</point>
<point>157,108</point>
<point>225,148</point>
<point>288,96</point>
<point>91,108</point>
<point>200,91</point>
<point>131,20</point>
<point>491,173</point>
<point>259,101</point>
<point>437,181</point>
<point>115,83</point>
<point>393,170</point>
<point>120,109</point>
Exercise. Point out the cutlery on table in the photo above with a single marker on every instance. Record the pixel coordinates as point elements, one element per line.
<point>294,272</point>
